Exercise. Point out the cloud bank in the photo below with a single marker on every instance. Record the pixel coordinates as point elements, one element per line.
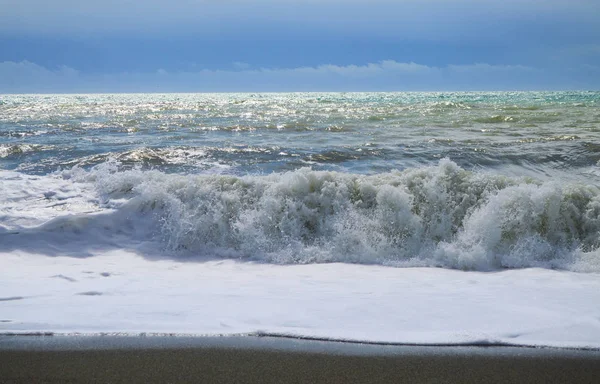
<point>389,75</point>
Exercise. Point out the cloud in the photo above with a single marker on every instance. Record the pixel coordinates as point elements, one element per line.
<point>368,70</point>
<point>388,75</point>
<point>140,36</point>
<point>487,68</point>
<point>240,65</point>
<point>427,18</point>
<point>25,76</point>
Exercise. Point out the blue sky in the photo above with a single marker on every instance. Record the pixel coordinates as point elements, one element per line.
<point>292,45</point>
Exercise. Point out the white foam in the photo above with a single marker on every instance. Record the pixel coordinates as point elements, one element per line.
<point>120,291</point>
<point>431,216</point>
<point>29,201</point>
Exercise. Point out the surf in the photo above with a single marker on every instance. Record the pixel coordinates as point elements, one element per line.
<point>431,216</point>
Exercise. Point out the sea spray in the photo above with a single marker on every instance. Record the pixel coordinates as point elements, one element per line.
<point>442,216</point>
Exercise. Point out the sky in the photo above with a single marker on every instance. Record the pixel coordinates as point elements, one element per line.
<point>78,46</point>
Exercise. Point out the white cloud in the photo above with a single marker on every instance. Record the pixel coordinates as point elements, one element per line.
<point>389,75</point>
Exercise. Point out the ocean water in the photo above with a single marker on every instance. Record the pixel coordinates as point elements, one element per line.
<point>474,181</point>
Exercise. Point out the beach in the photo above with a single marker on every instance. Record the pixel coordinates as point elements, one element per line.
<point>160,359</point>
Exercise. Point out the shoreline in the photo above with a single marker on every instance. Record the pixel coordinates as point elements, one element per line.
<point>202,339</point>
<point>267,359</point>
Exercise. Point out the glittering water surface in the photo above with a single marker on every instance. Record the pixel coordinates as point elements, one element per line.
<point>540,134</point>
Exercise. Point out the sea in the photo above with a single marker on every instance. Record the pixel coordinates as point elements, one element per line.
<point>477,181</point>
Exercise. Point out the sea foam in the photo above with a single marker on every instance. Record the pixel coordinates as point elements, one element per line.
<point>441,216</point>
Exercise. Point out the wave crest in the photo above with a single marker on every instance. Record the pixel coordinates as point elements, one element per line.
<point>431,216</point>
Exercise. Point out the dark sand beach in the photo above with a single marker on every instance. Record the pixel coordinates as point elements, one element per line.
<point>250,359</point>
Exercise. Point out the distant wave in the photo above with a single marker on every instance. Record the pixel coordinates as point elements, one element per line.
<point>8,150</point>
<point>440,216</point>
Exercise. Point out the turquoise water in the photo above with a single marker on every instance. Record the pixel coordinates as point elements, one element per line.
<point>541,134</point>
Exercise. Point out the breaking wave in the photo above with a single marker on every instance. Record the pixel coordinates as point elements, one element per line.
<point>442,216</point>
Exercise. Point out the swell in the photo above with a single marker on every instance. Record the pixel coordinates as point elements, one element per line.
<point>441,216</point>
<point>177,158</point>
<point>540,156</point>
<point>13,150</point>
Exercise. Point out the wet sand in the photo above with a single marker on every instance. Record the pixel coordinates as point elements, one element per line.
<point>250,359</point>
